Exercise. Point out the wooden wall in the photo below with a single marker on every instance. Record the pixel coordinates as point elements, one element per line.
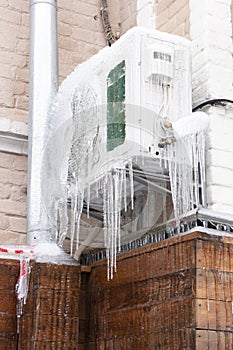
<point>176,294</point>
<point>9,270</point>
<point>50,319</point>
<point>51,316</point>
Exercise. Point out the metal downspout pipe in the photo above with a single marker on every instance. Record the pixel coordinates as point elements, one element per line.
<point>43,84</point>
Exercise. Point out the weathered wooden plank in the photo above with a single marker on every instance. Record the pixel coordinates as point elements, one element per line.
<point>214,255</point>
<point>61,277</point>
<point>214,315</point>
<point>214,284</point>
<point>56,302</point>
<point>50,345</point>
<point>214,340</point>
<point>7,344</point>
<point>118,324</point>
<point>155,263</point>
<point>174,339</point>
<point>165,316</point>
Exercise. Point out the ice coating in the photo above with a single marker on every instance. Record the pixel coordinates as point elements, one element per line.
<point>190,125</point>
<point>186,164</point>
<point>22,285</point>
<point>76,163</point>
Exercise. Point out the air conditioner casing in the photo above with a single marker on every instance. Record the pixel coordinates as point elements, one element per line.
<point>155,63</point>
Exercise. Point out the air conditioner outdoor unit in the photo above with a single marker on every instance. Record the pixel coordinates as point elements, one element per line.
<point>143,79</point>
<point>119,110</point>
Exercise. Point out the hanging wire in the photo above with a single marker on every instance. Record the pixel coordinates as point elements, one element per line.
<point>110,37</point>
<point>213,102</point>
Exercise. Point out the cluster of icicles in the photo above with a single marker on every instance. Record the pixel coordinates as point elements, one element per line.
<point>184,159</point>
<point>112,188</point>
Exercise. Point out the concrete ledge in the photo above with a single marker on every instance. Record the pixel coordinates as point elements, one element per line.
<point>13,136</point>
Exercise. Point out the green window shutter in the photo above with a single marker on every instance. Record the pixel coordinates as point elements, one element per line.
<point>116,107</point>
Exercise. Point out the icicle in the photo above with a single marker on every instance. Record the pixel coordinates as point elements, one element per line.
<point>195,170</point>
<point>22,286</point>
<point>79,211</point>
<point>201,157</point>
<point>120,189</point>
<point>173,177</point>
<point>88,184</point>
<point>112,186</point>
<point>62,207</point>
<point>131,183</point>
<point>23,280</point>
<point>125,190</point>
<point>105,218</point>
<point>74,200</point>
<point>111,222</point>
<point>116,224</point>
<point>54,224</point>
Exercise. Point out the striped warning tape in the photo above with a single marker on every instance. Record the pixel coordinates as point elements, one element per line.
<point>16,251</point>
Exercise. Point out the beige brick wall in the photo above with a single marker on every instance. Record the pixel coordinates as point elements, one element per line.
<point>172,16</point>
<point>127,14</point>
<point>14,60</point>
<point>80,30</point>
<point>80,33</point>
<point>13,191</point>
<point>14,51</point>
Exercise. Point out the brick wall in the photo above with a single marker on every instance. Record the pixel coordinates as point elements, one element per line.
<point>13,190</point>
<point>80,30</point>
<point>172,16</point>
<point>128,14</point>
<point>80,33</point>
<point>14,58</point>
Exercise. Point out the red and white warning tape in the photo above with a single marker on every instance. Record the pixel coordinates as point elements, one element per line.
<point>16,251</point>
